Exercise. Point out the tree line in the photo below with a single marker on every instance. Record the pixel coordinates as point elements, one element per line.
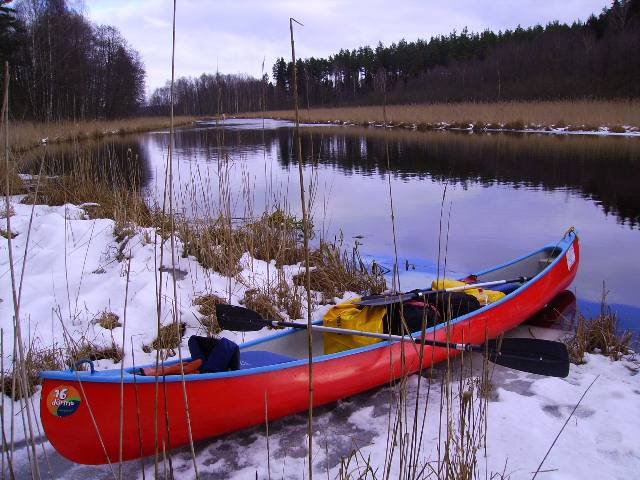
<point>213,94</point>
<point>597,58</point>
<point>63,67</point>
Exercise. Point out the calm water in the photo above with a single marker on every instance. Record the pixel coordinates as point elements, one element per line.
<point>506,194</point>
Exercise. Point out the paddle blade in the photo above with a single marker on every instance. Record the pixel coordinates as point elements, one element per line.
<point>531,355</point>
<point>239,319</point>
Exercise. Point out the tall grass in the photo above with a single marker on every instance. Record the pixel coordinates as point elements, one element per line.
<point>578,113</point>
<point>599,335</point>
<point>27,135</point>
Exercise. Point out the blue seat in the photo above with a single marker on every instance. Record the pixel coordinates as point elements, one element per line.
<point>261,358</point>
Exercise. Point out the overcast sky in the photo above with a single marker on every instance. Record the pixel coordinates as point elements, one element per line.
<point>234,36</point>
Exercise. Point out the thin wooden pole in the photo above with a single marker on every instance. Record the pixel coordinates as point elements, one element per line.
<point>35,468</point>
<point>173,248</point>
<point>124,338</point>
<point>305,224</point>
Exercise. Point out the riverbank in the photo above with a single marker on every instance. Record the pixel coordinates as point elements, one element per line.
<point>27,135</point>
<point>609,117</point>
<point>106,284</point>
<point>94,266</point>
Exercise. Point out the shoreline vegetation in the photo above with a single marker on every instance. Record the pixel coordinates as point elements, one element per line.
<point>26,135</point>
<point>601,117</point>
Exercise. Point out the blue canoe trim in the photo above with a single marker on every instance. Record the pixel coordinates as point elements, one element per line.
<point>113,375</point>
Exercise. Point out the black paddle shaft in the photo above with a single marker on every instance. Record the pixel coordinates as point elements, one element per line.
<point>390,298</point>
<point>532,355</point>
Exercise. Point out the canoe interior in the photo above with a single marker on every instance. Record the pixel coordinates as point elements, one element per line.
<point>294,345</point>
<point>288,346</point>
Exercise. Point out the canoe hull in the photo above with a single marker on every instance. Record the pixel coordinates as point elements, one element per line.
<point>91,433</point>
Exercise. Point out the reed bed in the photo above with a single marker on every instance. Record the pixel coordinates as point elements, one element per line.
<point>599,335</point>
<point>570,114</point>
<point>27,135</point>
<point>336,270</point>
<point>9,175</point>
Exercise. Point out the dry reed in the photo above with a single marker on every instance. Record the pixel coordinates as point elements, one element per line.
<point>9,179</point>
<point>336,271</point>
<point>207,309</point>
<point>214,243</point>
<point>93,351</point>
<point>273,301</point>
<point>27,135</point>
<point>277,236</point>
<point>168,339</point>
<point>108,320</point>
<point>598,335</point>
<point>37,359</point>
<point>610,113</point>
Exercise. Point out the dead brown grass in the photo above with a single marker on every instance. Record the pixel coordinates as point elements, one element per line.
<point>277,236</point>
<point>169,338</point>
<point>7,234</point>
<point>37,359</point>
<point>108,320</point>
<point>214,243</point>
<point>598,335</point>
<point>336,271</point>
<point>26,135</point>
<point>263,303</point>
<point>274,299</point>
<point>207,308</point>
<point>52,357</point>
<point>93,351</point>
<point>4,212</point>
<point>578,112</point>
<point>106,201</point>
<point>16,185</point>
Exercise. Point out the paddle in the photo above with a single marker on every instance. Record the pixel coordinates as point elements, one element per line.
<point>389,298</point>
<point>531,355</point>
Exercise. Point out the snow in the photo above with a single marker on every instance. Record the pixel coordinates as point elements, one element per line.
<point>73,273</point>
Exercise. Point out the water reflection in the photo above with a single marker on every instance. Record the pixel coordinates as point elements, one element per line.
<point>505,194</point>
<point>121,160</point>
<point>603,169</point>
<point>559,314</point>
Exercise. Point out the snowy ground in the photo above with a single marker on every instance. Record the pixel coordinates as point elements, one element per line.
<point>73,273</point>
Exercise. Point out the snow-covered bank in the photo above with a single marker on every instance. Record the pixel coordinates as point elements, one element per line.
<point>76,270</point>
<point>603,130</point>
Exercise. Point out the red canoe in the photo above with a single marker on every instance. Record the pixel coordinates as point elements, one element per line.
<point>81,411</point>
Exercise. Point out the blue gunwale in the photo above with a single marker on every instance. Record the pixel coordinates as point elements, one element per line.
<point>113,375</point>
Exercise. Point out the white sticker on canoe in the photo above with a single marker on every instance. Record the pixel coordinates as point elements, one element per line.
<point>571,257</point>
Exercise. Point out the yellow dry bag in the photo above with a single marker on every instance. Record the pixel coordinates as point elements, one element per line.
<point>353,317</point>
<point>484,296</point>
